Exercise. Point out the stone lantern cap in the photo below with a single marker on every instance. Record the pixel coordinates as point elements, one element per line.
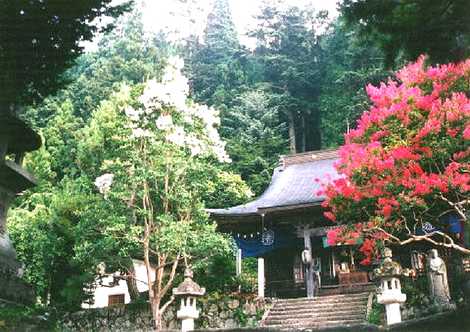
<point>188,286</point>
<point>389,268</point>
<point>15,138</point>
<point>18,135</point>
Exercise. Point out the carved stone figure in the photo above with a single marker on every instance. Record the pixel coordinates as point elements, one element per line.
<point>437,278</point>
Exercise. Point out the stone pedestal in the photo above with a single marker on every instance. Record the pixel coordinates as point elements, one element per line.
<point>392,297</point>
<point>15,139</point>
<point>187,314</point>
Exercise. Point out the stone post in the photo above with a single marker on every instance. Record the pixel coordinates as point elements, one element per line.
<point>260,277</point>
<point>389,292</point>
<point>238,263</point>
<point>188,291</point>
<point>307,260</point>
<point>16,138</point>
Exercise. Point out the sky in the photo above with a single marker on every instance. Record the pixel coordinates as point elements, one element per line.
<point>182,19</point>
<point>157,13</point>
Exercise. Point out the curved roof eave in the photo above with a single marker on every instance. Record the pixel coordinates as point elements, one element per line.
<point>291,186</point>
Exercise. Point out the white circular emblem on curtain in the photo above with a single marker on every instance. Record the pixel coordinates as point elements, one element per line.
<point>267,238</point>
<point>428,227</point>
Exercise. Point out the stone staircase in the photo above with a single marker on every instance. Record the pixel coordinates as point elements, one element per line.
<point>321,312</point>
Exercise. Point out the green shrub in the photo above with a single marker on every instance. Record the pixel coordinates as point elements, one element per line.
<point>376,313</point>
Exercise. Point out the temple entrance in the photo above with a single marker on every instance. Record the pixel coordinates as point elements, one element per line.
<point>338,268</point>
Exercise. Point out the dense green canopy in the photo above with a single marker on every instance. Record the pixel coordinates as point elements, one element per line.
<point>39,39</point>
<point>410,28</point>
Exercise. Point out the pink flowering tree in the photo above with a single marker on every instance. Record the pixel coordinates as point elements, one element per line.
<point>405,167</point>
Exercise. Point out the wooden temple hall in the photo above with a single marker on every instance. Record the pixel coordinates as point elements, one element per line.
<point>286,230</point>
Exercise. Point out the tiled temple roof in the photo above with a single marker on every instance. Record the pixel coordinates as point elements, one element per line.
<point>293,184</point>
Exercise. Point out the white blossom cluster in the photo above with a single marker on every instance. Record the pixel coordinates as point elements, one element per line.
<point>171,91</point>
<point>104,182</point>
<point>166,103</point>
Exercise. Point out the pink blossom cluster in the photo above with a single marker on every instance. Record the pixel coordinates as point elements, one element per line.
<point>409,149</point>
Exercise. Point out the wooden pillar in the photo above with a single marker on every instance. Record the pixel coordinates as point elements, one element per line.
<point>261,277</point>
<point>309,275</point>
<point>239,262</point>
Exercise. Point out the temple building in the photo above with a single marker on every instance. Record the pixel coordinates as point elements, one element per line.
<point>286,230</point>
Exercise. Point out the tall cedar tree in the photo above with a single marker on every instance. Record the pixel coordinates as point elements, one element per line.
<point>349,63</point>
<point>288,51</point>
<point>440,29</point>
<point>39,39</point>
<point>217,64</point>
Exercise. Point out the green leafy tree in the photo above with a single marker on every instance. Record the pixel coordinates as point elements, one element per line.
<point>414,27</point>
<point>126,54</point>
<point>151,149</point>
<point>256,138</point>
<point>43,229</point>
<point>32,59</point>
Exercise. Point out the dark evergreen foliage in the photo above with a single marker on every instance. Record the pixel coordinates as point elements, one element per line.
<point>288,50</point>
<point>349,63</point>
<point>438,28</point>
<point>39,39</point>
<point>217,65</point>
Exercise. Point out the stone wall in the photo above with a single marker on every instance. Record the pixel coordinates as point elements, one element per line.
<point>217,311</point>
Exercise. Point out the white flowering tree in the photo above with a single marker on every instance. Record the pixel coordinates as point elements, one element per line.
<point>150,149</point>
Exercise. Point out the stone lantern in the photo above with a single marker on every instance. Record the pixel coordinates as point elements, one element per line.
<point>188,290</point>
<point>389,292</point>
<point>16,138</point>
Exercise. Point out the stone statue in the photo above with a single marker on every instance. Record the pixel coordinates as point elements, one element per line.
<point>437,278</point>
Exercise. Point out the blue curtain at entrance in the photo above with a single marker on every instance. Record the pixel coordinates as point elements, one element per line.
<point>253,247</point>
<point>451,223</point>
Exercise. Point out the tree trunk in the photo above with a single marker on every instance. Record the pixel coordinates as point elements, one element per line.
<point>131,282</point>
<point>314,131</point>
<point>156,314</point>
<point>303,134</point>
<point>292,140</point>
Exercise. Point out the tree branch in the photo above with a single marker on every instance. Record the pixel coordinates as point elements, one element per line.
<point>447,242</point>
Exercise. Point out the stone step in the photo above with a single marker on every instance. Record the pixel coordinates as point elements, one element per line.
<point>326,296</point>
<point>310,312</point>
<point>324,299</point>
<point>316,324</point>
<point>301,311</point>
<point>319,305</point>
<point>323,311</point>
<point>329,301</point>
<point>324,317</point>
